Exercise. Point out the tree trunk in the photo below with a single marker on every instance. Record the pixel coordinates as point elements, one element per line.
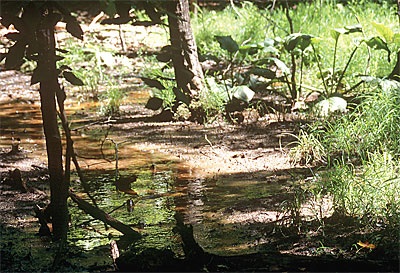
<point>48,86</point>
<point>188,71</point>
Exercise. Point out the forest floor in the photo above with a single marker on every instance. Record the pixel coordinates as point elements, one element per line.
<point>255,149</point>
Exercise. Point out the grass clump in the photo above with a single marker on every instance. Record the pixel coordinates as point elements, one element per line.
<point>246,24</point>
<point>111,100</point>
<point>369,192</point>
<point>364,148</point>
<point>373,126</point>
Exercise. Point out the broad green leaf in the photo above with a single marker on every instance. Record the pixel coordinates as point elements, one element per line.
<point>215,87</point>
<point>13,36</point>
<point>165,54</point>
<point>370,79</point>
<point>268,42</point>
<point>65,67</point>
<point>330,105</point>
<point>264,72</point>
<point>396,39</point>
<point>316,40</point>
<point>36,76</point>
<point>52,19</point>
<point>297,40</point>
<point>353,29</point>
<point>335,33</point>
<point>266,47</point>
<point>61,96</point>
<point>109,7</point>
<point>242,93</point>
<point>281,65</point>
<point>186,75</point>
<point>154,103</point>
<point>227,43</point>
<point>384,31</point>
<point>180,96</point>
<point>272,50</point>
<point>2,56</point>
<point>15,55</point>
<point>250,48</point>
<point>62,50</point>
<point>377,43</point>
<point>73,27</point>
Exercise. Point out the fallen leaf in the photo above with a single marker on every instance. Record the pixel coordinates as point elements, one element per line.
<point>366,245</point>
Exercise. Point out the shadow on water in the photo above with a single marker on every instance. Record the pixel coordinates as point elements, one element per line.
<point>230,214</point>
<point>160,186</point>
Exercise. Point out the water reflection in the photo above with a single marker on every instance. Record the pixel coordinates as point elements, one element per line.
<point>195,203</point>
<point>160,187</point>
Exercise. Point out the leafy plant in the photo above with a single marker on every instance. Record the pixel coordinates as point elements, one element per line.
<point>111,101</point>
<point>363,149</point>
<point>372,126</point>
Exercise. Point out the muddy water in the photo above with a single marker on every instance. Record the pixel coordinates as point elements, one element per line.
<point>228,213</point>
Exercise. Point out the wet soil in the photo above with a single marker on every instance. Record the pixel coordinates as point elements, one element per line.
<point>246,153</point>
<point>250,152</point>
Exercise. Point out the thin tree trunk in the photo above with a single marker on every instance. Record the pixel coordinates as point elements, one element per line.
<point>48,87</point>
<point>188,71</point>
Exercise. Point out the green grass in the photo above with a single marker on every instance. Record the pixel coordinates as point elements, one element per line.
<point>369,192</point>
<point>243,24</point>
<point>249,25</point>
<point>373,126</point>
<point>363,155</point>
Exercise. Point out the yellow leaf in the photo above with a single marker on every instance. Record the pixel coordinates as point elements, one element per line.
<point>366,245</point>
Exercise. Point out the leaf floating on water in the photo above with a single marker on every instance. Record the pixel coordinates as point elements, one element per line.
<point>366,245</point>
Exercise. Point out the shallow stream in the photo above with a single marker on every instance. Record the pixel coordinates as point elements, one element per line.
<point>228,212</point>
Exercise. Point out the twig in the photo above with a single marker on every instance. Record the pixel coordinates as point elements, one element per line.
<point>121,38</point>
<point>209,142</point>
<point>70,149</point>
<point>95,20</point>
<point>104,217</point>
<point>116,157</point>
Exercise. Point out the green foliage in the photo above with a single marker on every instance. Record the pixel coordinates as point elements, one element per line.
<point>213,99</point>
<point>244,24</point>
<point>369,192</point>
<point>111,101</point>
<point>363,150</point>
<point>374,125</point>
<point>308,149</point>
<point>324,60</point>
<point>79,57</point>
<point>161,82</point>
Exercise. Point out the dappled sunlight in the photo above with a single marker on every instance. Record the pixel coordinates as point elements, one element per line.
<point>240,166</point>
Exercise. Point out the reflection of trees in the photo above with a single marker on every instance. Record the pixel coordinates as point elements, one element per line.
<point>195,202</point>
